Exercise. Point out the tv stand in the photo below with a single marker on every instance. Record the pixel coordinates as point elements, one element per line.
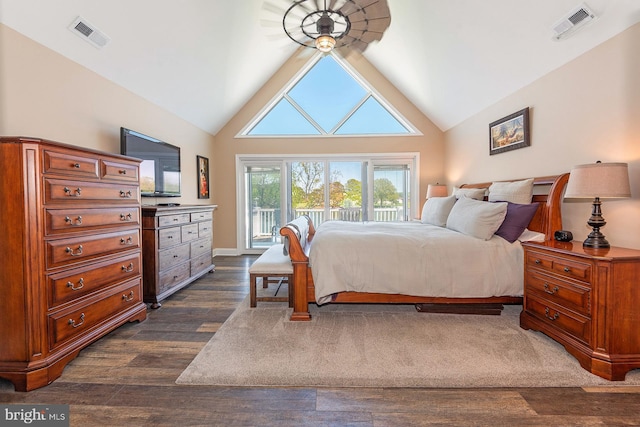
<point>177,246</point>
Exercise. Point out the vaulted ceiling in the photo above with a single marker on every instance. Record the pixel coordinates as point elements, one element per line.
<point>204,59</point>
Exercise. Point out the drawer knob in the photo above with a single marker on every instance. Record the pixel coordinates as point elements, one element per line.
<point>127,217</point>
<point>80,321</point>
<point>567,270</point>
<point>127,241</point>
<point>76,165</point>
<point>127,298</point>
<point>76,193</point>
<point>126,194</point>
<point>537,261</point>
<point>123,171</point>
<point>127,269</point>
<point>550,291</point>
<point>74,287</point>
<point>548,316</point>
<point>71,252</point>
<point>70,221</point>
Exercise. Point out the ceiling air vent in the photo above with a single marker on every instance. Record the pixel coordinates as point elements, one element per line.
<point>575,19</point>
<point>88,32</point>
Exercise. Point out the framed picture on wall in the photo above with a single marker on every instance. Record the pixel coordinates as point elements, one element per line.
<point>203,177</point>
<point>510,132</point>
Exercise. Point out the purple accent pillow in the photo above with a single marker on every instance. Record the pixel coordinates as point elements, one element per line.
<point>517,219</point>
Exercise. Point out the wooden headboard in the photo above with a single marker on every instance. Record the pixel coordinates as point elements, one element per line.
<point>547,191</point>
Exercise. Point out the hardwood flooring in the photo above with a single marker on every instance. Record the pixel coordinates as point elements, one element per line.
<point>128,379</point>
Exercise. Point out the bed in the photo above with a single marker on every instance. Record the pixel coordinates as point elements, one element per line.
<point>445,268</point>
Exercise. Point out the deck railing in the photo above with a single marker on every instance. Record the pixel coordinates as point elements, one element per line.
<point>266,222</point>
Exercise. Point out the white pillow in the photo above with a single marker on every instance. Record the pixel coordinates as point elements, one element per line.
<point>515,192</point>
<point>531,236</point>
<point>436,210</point>
<point>472,193</point>
<point>476,218</point>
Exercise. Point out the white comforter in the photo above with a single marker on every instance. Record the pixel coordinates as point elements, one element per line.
<point>412,258</point>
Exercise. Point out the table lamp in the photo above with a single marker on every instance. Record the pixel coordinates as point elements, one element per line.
<point>598,180</point>
<point>436,190</point>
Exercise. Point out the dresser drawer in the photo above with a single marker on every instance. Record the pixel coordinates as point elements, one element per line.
<point>174,276</point>
<point>566,266</point>
<point>200,247</point>
<point>561,292</point>
<point>561,318</point>
<point>169,237</point>
<point>201,216</point>
<point>56,190</point>
<point>167,220</point>
<point>67,251</point>
<point>189,232</point>
<point>116,171</point>
<point>58,162</point>
<point>203,262</point>
<point>67,324</point>
<point>173,256</point>
<point>70,220</point>
<point>205,229</point>
<point>72,284</point>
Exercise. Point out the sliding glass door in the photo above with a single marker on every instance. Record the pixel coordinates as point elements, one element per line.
<point>356,188</point>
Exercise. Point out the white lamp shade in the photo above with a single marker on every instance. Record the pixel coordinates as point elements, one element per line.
<point>436,190</point>
<point>604,180</point>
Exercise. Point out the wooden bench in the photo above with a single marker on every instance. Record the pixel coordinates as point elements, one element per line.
<point>273,266</point>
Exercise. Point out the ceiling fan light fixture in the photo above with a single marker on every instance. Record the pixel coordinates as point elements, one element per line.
<point>325,43</point>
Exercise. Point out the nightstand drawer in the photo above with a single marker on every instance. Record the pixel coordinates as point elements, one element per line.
<point>560,318</point>
<point>560,292</point>
<point>566,266</point>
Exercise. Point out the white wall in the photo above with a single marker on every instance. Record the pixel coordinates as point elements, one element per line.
<point>585,111</point>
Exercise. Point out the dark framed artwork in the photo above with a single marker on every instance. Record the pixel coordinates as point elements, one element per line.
<point>510,132</point>
<point>203,177</point>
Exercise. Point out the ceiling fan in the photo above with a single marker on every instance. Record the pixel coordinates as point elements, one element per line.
<point>334,24</point>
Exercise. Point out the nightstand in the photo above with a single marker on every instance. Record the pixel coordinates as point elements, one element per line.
<point>588,300</point>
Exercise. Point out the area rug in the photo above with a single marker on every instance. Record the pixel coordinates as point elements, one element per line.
<point>383,346</point>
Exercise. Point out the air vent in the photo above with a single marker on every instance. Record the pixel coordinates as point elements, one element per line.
<point>88,32</point>
<point>575,19</point>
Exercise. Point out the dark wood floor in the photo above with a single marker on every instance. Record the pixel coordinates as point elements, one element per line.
<point>128,378</point>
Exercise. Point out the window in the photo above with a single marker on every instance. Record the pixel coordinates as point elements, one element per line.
<point>328,98</point>
<point>374,187</point>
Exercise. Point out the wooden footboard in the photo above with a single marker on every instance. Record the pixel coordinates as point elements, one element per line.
<point>548,219</point>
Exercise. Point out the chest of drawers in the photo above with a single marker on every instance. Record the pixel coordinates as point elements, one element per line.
<point>588,300</point>
<point>70,261</point>
<point>178,245</point>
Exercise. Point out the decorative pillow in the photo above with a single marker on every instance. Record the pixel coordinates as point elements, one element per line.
<point>514,192</point>
<point>472,193</point>
<point>436,210</point>
<point>531,236</point>
<point>476,218</point>
<point>517,218</point>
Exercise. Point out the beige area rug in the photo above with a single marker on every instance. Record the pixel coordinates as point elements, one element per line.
<point>383,346</point>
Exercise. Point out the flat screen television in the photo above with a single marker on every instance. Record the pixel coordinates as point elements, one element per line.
<point>160,167</point>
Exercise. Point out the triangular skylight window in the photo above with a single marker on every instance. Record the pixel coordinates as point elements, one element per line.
<point>328,99</point>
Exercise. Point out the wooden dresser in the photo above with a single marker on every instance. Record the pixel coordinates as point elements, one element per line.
<point>70,264</point>
<point>588,300</point>
<point>177,248</point>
